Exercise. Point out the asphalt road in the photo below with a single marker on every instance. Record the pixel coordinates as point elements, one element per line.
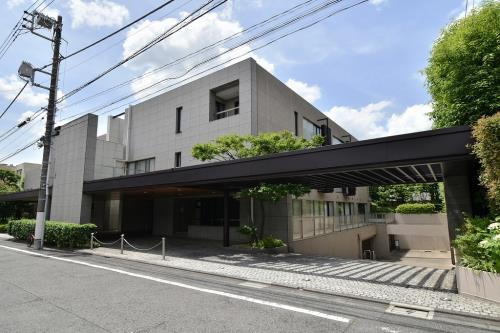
<point>66,292</point>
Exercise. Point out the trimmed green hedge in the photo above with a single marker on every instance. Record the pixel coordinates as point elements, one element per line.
<point>416,208</point>
<point>60,234</point>
<point>3,228</point>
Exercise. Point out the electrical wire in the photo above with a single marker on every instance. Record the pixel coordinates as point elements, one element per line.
<point>102,108</point>
<point>19,150</point>
<point>189,19</point>
<point>119,30</point>
<point>15,98</point>
<point>310,12</point>
<point>218,65</point>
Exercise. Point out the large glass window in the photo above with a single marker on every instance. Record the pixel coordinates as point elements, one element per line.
<point>140,166</point>
<point>309,129</point>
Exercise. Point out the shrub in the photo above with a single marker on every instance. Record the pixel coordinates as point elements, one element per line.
<point>250,231</point>
<point>60,234</point>
<point>478,244</point>
<point>487,149</point>
<point>416,208</point>
<point>268,242</point>
<point>3,228</point>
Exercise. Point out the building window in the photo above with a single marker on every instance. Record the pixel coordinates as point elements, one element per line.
<point>296,122</point>
<point>178,114</point>
<point>178,158</point>
<point>309,129</point>
<point>225,101</point>
<point>141,166</point>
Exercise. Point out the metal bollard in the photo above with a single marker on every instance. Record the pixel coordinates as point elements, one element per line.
<point>91,240</point>
<point>163,247</point>
<point>121,244</point>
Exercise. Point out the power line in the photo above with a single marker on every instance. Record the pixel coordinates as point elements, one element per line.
<point>119,30</point>
<point>218,65</point>
<point>20,150</point>
<point>15,98</point>
<point>118,42</point>
<point>210,46</point>
<point>273,29</point>
<point>149,45</point>
<point>211,68</point>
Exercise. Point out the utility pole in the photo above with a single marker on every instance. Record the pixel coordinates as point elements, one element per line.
<point>38,19</point>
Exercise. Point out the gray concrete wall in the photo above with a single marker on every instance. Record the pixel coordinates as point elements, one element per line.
<point>109,159</point>
<point>30,175</point>
<point>343,244</point>
<point>73,161</point>
<point>276,104</point>
<point>150,125</point>
<point>420,231</point>
<point>381,242</point>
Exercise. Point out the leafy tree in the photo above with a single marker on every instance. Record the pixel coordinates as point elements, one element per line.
<point>234,146</point>
<point>487,149</point>
<point>9,182</point>
<point>386,198</point>
<point>463,74</point>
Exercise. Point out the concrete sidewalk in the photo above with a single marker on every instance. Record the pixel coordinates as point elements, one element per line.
<point>363,279</point>
<point>380,281</point>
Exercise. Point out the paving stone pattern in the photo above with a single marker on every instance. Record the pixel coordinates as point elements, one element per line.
<point>389,282</point>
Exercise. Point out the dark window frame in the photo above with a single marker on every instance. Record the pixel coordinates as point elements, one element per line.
<point>178,119</point>
<point>177,159</point>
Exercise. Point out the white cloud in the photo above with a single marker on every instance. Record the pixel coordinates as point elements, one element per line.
<point>97,13</point>
<point>10,86</point>
<point>210,28</point>
<point>371,121</point>
<point>378,2</point>
<point>310,93</point>
<point>51,12</point>
<point>14,3</point>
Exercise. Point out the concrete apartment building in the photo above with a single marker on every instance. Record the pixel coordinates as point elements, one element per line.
<point>159,133</point>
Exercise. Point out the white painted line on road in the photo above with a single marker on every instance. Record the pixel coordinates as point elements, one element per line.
<point>187,286</point>
<point>253,285</point>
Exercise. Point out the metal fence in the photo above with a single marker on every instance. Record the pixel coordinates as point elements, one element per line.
<point>123,242</point>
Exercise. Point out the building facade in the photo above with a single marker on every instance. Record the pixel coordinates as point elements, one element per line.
<point>159,134</point>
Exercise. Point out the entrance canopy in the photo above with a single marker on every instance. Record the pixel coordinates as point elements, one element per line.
<point>402,159</point>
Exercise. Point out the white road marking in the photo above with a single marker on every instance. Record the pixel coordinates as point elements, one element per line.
<point>186,286</point>
<point>253,285</point>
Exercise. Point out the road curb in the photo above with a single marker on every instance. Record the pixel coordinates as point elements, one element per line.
<point>324,292</point>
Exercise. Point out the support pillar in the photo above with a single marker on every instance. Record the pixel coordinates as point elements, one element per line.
<point>458,196</point>
<point>225,227</point>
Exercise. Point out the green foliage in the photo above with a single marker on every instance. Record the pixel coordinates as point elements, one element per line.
<point>487,149</point>
<point>478,244</point>
<point>9,181</point>
<point>268,242</point>
<point>386,198</point>
<point>250,231</point>
<point>234,146</point>
<point>463,74</point>
<point>60,234</point>
<point>275,192</point>
<point>3,228</point>
<point>416,208</point>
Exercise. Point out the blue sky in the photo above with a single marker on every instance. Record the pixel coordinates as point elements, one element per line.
<point>362,66</point>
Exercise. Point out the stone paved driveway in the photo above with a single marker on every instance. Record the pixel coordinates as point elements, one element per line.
<point>381,281</point>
